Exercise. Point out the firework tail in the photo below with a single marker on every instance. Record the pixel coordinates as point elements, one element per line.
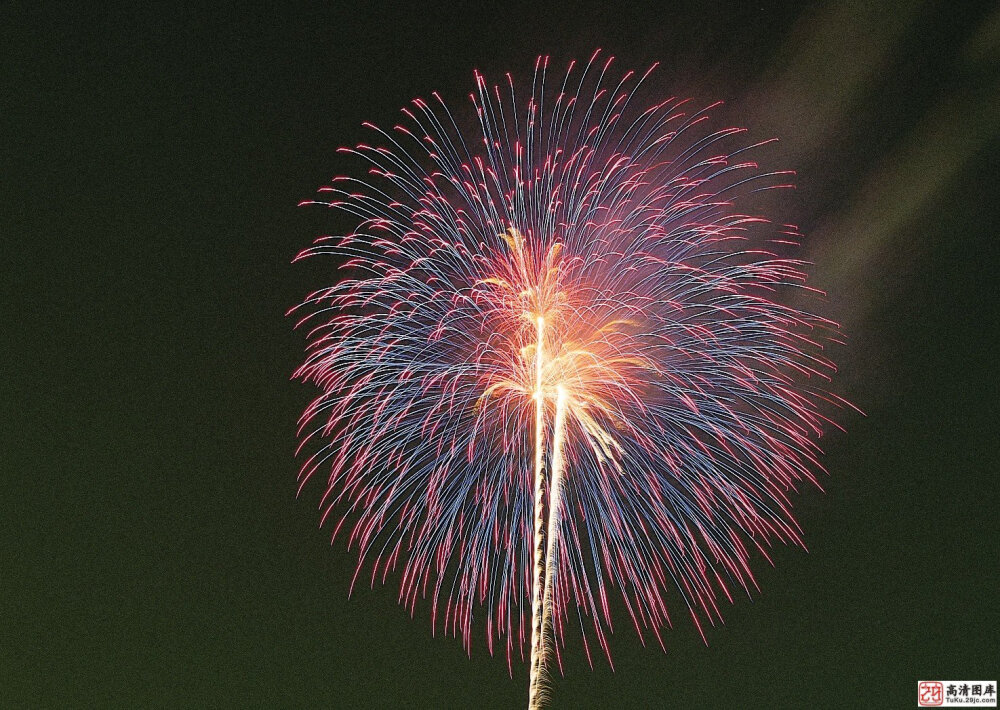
<point>545,566</point>
<point>537,691</point>
<point>538,581</point>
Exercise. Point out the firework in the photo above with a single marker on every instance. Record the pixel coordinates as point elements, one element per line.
<point>560,362</point>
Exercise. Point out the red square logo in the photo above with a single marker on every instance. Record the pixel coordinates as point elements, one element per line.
<point>930,694</point>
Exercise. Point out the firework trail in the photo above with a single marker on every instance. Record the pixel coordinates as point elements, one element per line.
<point>558,363</point>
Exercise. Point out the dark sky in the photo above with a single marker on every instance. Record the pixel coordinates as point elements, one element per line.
<point>153,551</point>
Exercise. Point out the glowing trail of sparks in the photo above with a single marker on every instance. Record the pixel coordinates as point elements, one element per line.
<point>555,504</point>
<point>536,694</point>
<point>540,576</point>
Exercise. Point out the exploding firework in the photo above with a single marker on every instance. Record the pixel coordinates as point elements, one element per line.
<point>561,362</point>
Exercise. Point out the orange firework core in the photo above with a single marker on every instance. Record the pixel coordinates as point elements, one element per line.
<point>561,346</point>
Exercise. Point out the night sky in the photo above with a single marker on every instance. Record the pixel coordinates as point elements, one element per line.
<point>153,551</point>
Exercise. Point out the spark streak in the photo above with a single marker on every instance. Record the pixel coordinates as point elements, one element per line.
<point>536,693</point>
<point>540,580</point>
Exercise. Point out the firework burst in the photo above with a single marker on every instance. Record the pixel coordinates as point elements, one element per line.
<point>560,363</point>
